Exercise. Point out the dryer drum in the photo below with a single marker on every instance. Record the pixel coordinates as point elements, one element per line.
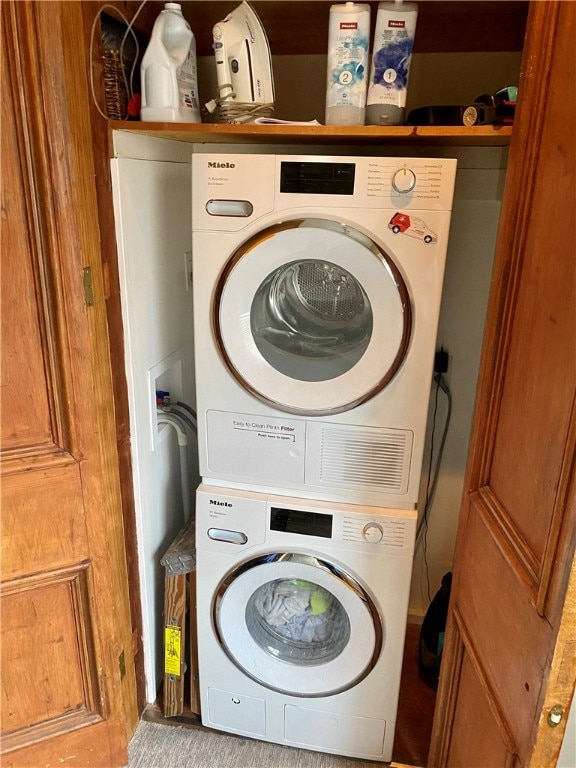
<point>328,290</point>
<point>308,311</point>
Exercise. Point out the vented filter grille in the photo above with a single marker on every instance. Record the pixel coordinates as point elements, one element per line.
<point>357,457</point>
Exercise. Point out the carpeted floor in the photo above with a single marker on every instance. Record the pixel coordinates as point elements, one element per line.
<point>161,746</point>
<point>167,745</point>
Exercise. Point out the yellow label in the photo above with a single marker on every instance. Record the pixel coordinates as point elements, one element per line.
<point>172,650</point>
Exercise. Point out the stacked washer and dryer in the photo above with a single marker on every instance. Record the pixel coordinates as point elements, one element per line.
<point>317,288</point>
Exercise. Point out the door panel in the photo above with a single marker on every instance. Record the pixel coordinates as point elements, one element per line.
<point>479,739</point>
<point>23,381</point>
<point>51,662</point>
<point>67,666</point>
<point>515,685</point>
<point>50,520</point>
<point>511,629</point>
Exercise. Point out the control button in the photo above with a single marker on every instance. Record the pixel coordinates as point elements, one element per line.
<point>373,532</point>
<point>404,181</point>
<point>230,537</point>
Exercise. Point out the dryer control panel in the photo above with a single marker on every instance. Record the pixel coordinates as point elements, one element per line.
<point>226,197</point>
<point>310,178</point>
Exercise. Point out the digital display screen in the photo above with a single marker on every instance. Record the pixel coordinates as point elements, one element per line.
<point>298,521</point>
<point>317,178</point>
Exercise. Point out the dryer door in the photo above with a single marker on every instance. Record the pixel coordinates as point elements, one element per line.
<point>312,317</point>
<point>298,624</point>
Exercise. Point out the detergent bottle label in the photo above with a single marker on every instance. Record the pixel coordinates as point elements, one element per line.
<point>188,82</point>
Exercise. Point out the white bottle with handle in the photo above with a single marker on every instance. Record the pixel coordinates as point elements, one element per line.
<point>168,71</point>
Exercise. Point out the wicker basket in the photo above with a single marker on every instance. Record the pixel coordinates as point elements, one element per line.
<point>115,94</point>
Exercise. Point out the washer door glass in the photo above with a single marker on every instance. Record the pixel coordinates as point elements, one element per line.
<point>298,621</point>
<point>298,624</point>
<point>312,317</point>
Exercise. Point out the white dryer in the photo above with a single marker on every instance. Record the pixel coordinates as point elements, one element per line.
<point>301,611</point>
<point>317,288</point>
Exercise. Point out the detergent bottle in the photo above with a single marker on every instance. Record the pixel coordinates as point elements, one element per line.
<point>391,56</point>
<point>347,74</point>
<point>168,71</point>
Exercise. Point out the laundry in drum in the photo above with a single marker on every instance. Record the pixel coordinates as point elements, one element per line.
<point>297,609</point>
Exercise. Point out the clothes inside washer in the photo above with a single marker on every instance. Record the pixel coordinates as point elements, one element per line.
<point>299,621</point>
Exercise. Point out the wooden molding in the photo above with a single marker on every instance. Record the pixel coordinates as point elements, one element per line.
<point>42,396</point>
<point>520,179</point>
<point>561,680</point>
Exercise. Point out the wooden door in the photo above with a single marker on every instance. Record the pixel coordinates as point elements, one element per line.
<point>67,661</point>
<point>511,635</point>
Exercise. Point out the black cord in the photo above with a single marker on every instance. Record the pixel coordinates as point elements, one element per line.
<point>427,502</point>
<point>432,480</point>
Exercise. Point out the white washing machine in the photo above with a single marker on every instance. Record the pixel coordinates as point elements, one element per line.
<point>317,288</point>
<point>301,611</point>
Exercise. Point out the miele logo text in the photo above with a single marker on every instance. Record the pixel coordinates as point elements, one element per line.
<point>348,25</point>
<point>220,165</point>
<point>395,23</point>
<point>220,503</point>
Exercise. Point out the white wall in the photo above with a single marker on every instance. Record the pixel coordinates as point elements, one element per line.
<point>567,758</point>
<point>479,183</point>
<point>151,184</point>
<point>435,78</point>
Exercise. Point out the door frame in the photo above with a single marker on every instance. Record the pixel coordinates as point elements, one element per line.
<point>56,160</point>
<point>554,586</point>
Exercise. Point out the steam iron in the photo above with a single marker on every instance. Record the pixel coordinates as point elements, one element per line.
<point>243,68</point>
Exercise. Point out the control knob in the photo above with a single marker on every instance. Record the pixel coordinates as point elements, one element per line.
<point>404,180</point>
<point>373,532</point>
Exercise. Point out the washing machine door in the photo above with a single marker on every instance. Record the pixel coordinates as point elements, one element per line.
<point>298,624</point>
<point>312,317</point>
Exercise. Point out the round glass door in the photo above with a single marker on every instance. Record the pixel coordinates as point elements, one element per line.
<point>298,624</point>
<point>308,305</point>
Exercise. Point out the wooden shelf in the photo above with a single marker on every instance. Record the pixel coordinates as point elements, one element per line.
<point>210,133</point>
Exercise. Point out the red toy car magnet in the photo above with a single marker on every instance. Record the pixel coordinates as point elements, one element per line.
<point>412,226</point>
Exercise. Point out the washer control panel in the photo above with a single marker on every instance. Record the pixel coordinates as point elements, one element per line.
<point>233,520</point>
<point>391,533</point>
